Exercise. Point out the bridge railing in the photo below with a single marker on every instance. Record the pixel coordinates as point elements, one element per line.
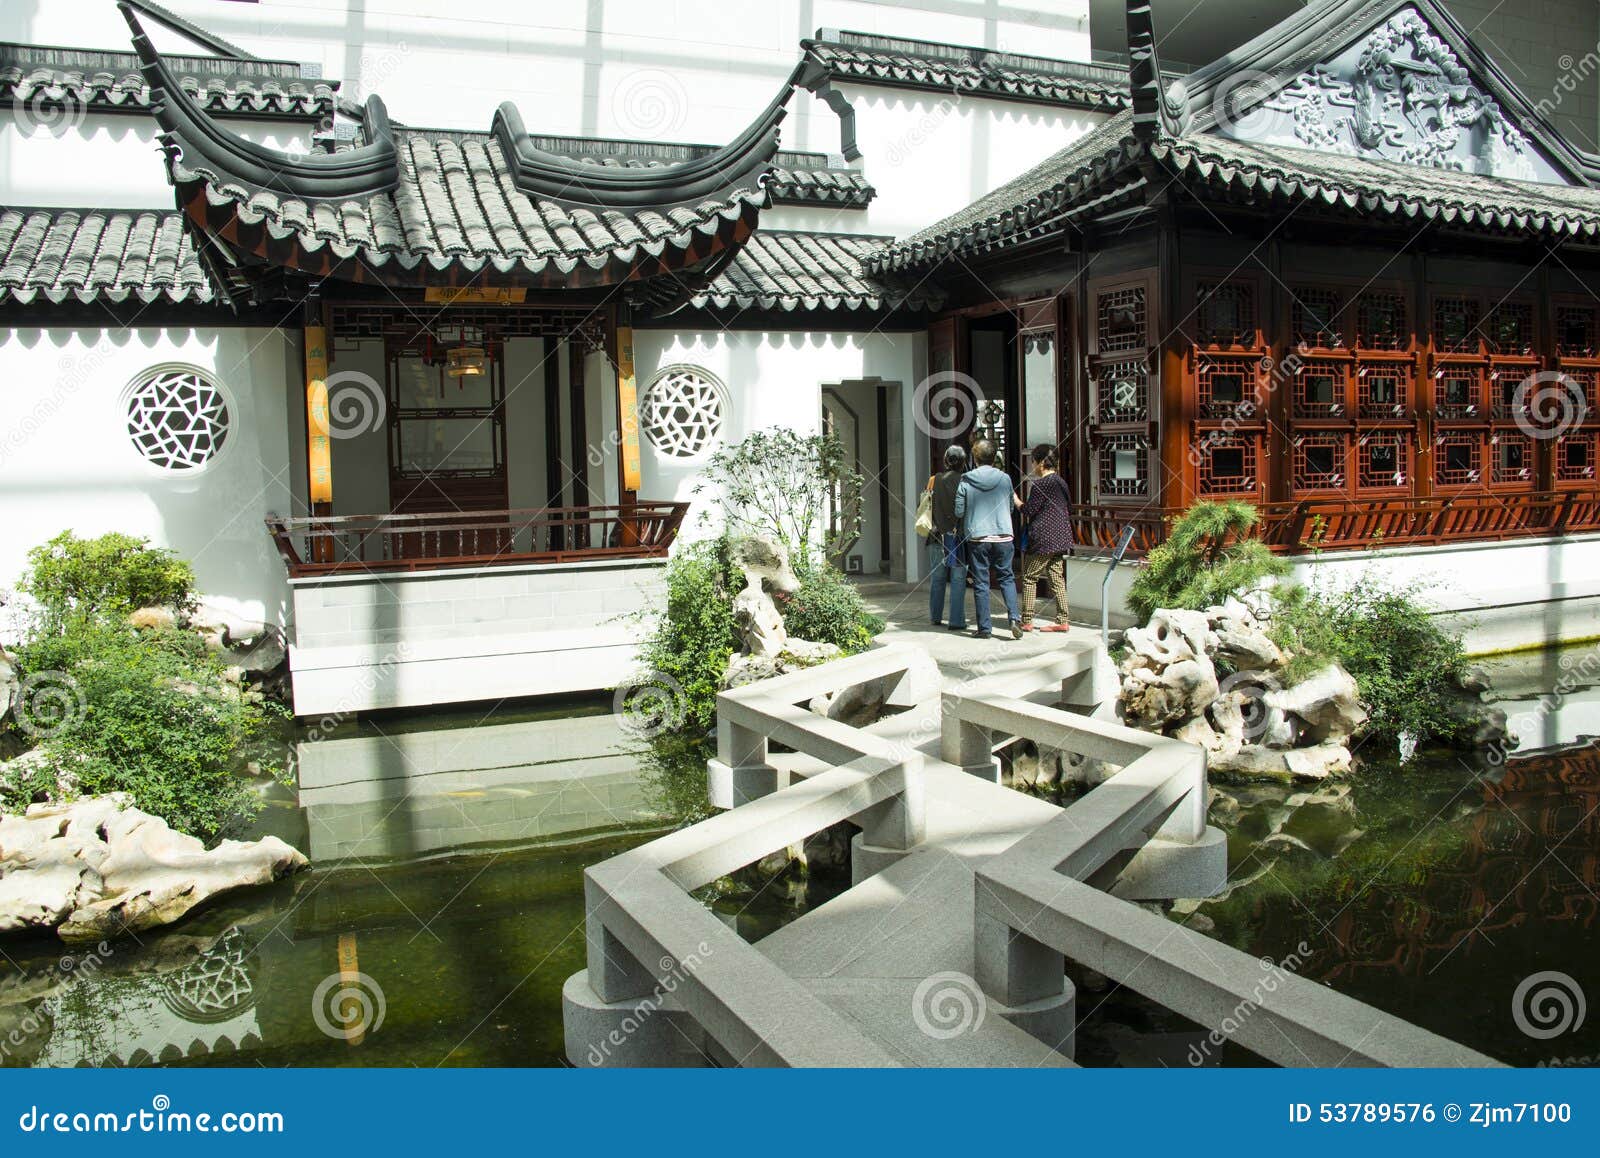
<point>1045,901</point>
<point>646,933</point>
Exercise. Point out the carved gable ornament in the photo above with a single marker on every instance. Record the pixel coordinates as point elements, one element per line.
<point>1398,95</point>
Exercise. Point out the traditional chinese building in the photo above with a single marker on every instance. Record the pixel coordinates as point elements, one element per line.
<point>436,399</point>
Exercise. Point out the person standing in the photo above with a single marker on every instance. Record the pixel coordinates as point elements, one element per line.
<point>946,549</point>
<point>1047,514</point>
<point>983,503</point>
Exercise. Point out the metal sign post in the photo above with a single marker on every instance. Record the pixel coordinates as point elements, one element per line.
<point>1117,553</point>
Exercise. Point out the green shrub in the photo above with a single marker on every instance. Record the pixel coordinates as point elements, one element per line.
<point>694,635</point>
<point>108,576</point>
<point>827,609</point>
<point>150,714</point>
<point>800,489</point>
<point>1208,555</point>
<point>1408,668</point>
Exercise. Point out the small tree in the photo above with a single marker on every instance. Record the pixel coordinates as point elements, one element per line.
<point>782,483</point>
<point>109,576</point>
<point>1209,554</point>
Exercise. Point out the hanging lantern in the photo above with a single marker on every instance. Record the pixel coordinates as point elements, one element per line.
<point>466,362</point>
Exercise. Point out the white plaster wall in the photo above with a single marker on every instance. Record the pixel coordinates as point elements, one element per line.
<point>930,154</point>
<point>105,160</point>
<point>775,379</point>
<point>1504,595</point>
<point>66,460</point>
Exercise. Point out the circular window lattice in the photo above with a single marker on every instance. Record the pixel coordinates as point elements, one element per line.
<point>683,411</point>
<point>177,419</point>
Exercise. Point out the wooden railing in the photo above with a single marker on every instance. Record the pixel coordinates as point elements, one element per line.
<point>1343,524</point>
<point>378,543</point>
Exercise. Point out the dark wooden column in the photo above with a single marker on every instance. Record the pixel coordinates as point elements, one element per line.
<point>554,479</point>
<point>578,437</point>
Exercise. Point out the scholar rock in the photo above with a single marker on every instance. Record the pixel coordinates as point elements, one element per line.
<point>98,867</point>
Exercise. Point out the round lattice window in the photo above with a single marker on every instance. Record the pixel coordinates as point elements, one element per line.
<point>177,417</point>
<point>683,410</point>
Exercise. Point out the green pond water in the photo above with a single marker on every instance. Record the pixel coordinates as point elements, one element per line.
<point>452,902</point>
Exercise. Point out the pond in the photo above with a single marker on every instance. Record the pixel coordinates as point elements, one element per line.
<point>444,906</point>
<point>1459,893</point>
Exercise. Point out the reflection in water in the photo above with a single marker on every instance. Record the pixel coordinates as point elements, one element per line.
<point>447,885</point>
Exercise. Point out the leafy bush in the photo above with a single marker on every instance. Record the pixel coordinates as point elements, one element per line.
<point>827,609</point>
<point>154,717</point>
<point>781,483</point>
<point>1407,667</point>
<point>1208,555</point>
<point>109,576</point>
<point>694,636</point>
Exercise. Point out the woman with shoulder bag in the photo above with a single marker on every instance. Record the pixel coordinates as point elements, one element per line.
<point>1047,514</point>
<point>947,552</point>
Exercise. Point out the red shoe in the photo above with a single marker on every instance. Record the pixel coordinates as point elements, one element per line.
<point>1057,627</point>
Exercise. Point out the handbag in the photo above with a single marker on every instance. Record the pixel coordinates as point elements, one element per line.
<point>924,522</point>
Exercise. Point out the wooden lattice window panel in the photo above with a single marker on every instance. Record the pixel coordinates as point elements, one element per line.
<point>1457,460</point>
<point>1227,387</point>
<point>1228,464</point>
<point>1320,462</point>
<point>1225,314</point>
<point>1383,461</point>
<point>1577,331</point>
<point>1582,388</point>
<point>1511,458</point>
<point>1575,457</point>
<point>1507,396</point>
<point>1124,466</point>
<point>1319,389</point>
<point>1458,391</point>
<point>1122,321</point>
<point>1314,317</point>
<point>1456,325</point>
<point>1122,391</point>
<point>1382,321</point>
<point>1383,390</point>
<point>1511,329</point>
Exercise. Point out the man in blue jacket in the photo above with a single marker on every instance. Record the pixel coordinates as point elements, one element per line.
<point>983,503</point>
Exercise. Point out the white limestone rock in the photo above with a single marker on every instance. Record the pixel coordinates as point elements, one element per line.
<point>1327,703</point>
<point>153,619</point>
<point>10,683</point>
<point>98,867</point>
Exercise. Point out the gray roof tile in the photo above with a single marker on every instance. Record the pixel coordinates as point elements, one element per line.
<point>891,60</point>
<point>778,270</point>
<point>1103,159</point>
<point>48,76</point>
<point>84,254</point>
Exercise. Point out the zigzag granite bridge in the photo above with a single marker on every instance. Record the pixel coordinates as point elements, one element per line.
<point>968,897</point>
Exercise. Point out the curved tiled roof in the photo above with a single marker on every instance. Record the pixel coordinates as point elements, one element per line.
<point>804,271</point>
<point>1010,213</point>
<point>819,186</point>
<point>85,254</point>
<point>44,77</point>
<point>456,204</point>
<point>924,64</point>
<point>1105,159</point>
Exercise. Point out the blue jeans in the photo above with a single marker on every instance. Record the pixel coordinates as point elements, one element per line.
<point>992,561</point>
<point>947,568</point>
